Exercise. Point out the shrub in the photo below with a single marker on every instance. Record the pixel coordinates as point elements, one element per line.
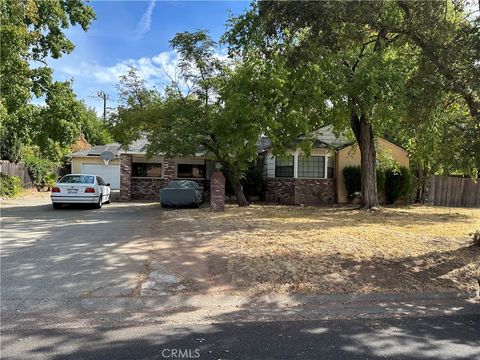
<point>10,186</point>
<point>353,180</point>
<point>253,181</point>
<point>397,184</point>
<point>41,170</point>
<point>380,180</point>
<point>352,177</point>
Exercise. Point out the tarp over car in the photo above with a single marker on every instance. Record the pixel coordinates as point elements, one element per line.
<point>181,193</point>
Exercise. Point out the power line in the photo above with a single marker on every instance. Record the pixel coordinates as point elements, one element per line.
<point>102,95</point>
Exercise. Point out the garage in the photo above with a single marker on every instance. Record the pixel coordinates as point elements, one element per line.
<point>93,161</point>
<point>109,173</point>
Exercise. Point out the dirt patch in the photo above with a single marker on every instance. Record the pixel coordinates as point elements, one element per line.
<point>327,250</point>
<point>27,196</point>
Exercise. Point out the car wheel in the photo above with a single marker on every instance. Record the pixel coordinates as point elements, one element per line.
<point>56,206</point>
<point>100,202</point>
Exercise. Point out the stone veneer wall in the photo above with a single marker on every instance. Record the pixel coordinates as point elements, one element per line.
<point>300,191</point>
<point>169,169</point>
<point>125,177</point>
<point>217,197</point>
<point>148,188</point>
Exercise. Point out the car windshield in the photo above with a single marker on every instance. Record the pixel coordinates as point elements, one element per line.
<point>77,179</point>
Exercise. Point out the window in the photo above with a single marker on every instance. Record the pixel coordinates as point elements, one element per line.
<point>284,167</point>
<point>187,171</point>
<point>146,170</point>
<point>330,167</point>
<point>100,181</point>
<point>311,167</point>
<point>77,179</point>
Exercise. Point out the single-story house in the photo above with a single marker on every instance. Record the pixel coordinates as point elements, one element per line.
<point>293,179</point>
<point>139,177</point>
<point>89,161</point>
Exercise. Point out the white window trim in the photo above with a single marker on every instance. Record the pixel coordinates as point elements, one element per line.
<point>324,169</point>
<point>295,165</point>
<point>296,155</point>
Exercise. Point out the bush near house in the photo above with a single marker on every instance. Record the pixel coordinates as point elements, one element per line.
<point>41,170</point>
<point>381,177</point>
<point>352,176</point>
<point>253,182</point>
<point>353,180</point>
<point>398,184</point>
<point>10,186</point>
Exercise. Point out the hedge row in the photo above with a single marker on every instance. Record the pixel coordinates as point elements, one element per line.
<point>396,183</point>
<point>9,185</point>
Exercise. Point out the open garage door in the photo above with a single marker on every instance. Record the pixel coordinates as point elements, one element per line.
<point>109,173</point>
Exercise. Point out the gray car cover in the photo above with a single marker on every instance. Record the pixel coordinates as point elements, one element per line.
<point>181,193</point>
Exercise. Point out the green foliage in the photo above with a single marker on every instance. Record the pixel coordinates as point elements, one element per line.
<point>41,170</point>
<point>254,182</point>
<point>10,186</point>
<point>30,33</point>
<point>349,76</point>
<point>381,177</point>
<point>398,184</point>
<point>94,129</point>
<point>401,66</point>
<point>199,111</point>
<point>352,176</point>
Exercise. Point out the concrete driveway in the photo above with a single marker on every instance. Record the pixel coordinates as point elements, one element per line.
<point>75,252</point>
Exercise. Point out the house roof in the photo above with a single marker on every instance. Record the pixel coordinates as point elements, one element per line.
<point>98,149</point>
<point>350,143</point>
<point>136,147</point>
<point>264,144</point>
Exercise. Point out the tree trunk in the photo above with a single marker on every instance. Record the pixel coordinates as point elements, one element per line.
<point>364,134</point>
<point>236,185</point>
<point>422,177</point>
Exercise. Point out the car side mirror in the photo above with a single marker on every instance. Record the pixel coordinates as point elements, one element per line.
<point>108,184</point>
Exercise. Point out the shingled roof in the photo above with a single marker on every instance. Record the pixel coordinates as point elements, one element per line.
<point>98,149</point>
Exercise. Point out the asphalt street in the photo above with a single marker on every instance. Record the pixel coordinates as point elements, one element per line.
<point>73,252</point>
<point>446,337</point>
<point>68,282</point>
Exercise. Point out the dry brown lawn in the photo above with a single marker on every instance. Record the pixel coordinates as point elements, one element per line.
<point>327,250</point>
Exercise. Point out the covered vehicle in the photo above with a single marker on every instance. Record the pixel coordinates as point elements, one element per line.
<point>181,193</point>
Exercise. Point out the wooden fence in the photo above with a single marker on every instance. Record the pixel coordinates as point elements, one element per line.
<point>20,170</point>
<point>454,191</point>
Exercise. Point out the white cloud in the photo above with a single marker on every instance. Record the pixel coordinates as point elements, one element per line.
<point>153,70</point>
<point>145,22</point>
<point>90,77</point>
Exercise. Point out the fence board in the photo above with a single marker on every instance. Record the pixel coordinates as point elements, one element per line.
<point>13,169</point>
<point>454,191</point>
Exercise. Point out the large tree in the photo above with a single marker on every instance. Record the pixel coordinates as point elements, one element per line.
<point>56,125</point>
<point>211,106</point>
<point>30,33</point>
<point>361,72</point>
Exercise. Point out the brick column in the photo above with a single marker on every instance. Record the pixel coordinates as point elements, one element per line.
<point>217,191</point>
<point>125,177</point>
<point>169,169</point>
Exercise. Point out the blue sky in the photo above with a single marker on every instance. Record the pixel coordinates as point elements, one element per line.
<point>135,33</point>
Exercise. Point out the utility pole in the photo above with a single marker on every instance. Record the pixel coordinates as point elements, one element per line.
<point>102,95</point>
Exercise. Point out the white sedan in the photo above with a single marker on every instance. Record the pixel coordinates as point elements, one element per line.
<point>80,189</point>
